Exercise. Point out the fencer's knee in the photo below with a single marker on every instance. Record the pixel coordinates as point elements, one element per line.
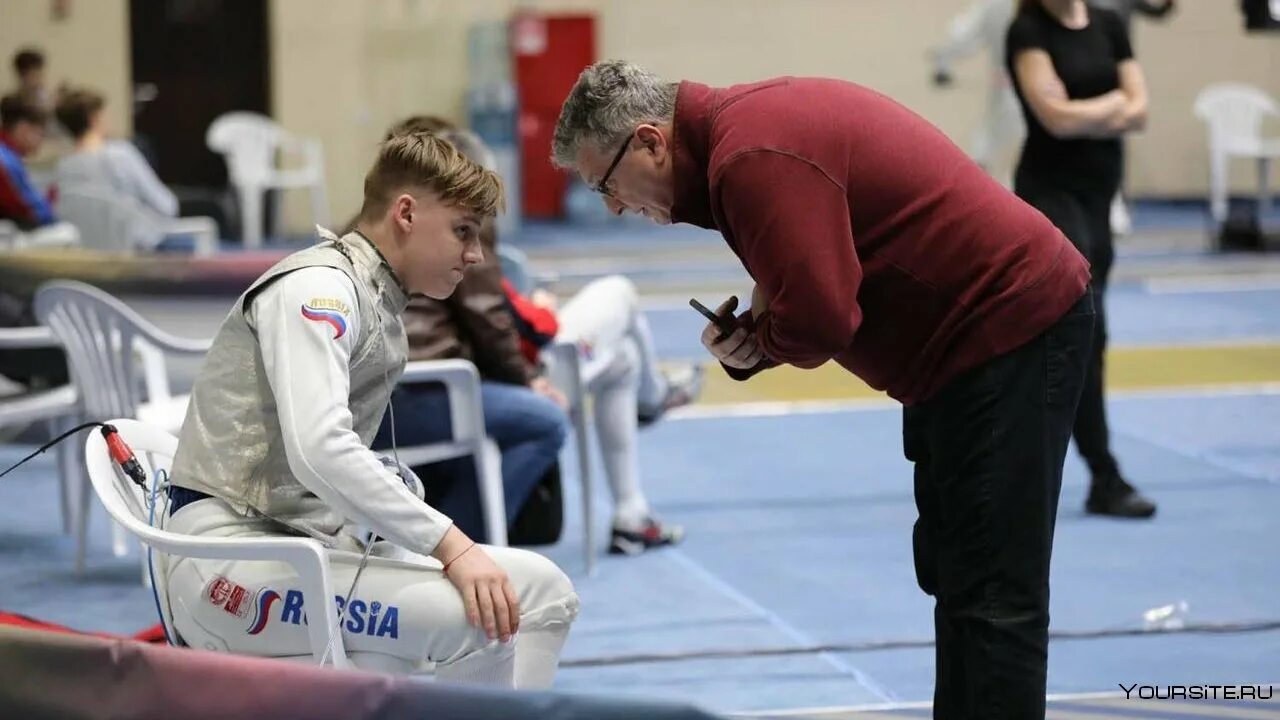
<point>622,288</point>
<point>548,598</point>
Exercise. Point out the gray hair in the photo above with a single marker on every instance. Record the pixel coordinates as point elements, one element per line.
<point>471,146</point>
<point>609,100</point>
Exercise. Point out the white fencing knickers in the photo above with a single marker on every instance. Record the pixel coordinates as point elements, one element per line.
<point>405,616</point>
<point>620,369</point>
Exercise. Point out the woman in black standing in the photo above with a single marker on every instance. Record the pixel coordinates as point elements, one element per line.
<point>1080,89</point>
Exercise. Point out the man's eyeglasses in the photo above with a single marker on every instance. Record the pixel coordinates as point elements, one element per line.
<point>602,186</point>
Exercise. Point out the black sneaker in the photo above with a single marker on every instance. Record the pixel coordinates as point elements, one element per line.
<point>653,534</point>
<point>684,385</point>
<point>1114,497</point>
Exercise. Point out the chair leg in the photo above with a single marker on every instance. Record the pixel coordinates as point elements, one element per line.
<point>251,217</point>
<point>1264,187</point>
<point>66,476</point>
<point>119,540</point>
<point>581,438</point>
<point>85,510</point>
<point>489,473</point>
<point>319,205</point>
<point>1218,168</point>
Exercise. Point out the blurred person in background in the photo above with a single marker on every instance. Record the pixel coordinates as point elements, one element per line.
<point>523,413</point>
<point>1126,9</point>
<point>1081,90</point>
<point>100,164</point>
<point>104,162</point>
<point>982,27</point>
<point>22,124</point>
<point>28,70</point>
<point>1121,222</point>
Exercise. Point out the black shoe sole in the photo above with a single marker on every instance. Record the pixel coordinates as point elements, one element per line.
<point>1142,514</point>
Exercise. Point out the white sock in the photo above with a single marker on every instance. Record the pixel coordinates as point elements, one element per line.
<point>617,433</point>
<point>538,656</point>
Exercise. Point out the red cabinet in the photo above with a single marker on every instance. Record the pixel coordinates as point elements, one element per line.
<point>549,51</point>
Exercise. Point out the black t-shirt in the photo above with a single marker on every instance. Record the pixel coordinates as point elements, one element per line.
<point>1088,61</point>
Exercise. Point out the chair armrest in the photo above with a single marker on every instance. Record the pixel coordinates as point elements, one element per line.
<point>306,555</point>
<point>203,229</point>
<point>28,338</point>
<point>462,383</point>
<point>40,405</point>
<point>151,352</point>
<point>566,371</point>
<point>174,344</point>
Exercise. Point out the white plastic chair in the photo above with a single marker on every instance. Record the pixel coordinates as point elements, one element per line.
<point>250,143</point>
<point>1234,113</point>
<point>116,359</point>
<point>128,505</point>
<point>57,407</point>
<point>466,415</point>
<point>565,373</point>
<point>110,221</point>
<point>58,234</point>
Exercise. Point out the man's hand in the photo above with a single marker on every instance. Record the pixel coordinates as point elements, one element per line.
<point>759,304</point>
<point>490,601</point>
<point>543,387</point>
<point>739,350</point>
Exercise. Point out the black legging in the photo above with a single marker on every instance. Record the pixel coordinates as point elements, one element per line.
<point>1084,216</point>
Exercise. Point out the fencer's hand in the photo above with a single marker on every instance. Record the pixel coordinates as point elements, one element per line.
<point>738,350</point>
<point>490,601</point>
<point>543,387</point>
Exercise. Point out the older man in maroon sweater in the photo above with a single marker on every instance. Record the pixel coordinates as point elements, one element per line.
<point>875,242</point>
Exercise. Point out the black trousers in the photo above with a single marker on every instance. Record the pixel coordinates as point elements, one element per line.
<point>1082,211</point>
<point>988,451</point>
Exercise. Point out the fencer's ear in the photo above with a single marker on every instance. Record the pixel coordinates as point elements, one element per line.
<point>403,209</point>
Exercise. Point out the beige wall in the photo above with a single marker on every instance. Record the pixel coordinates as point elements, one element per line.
<point>342,70</point>
<point>412,58</point>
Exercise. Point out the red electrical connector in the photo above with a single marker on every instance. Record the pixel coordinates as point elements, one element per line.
<point>123,455</point>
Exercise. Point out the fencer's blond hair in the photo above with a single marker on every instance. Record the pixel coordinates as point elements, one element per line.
<point>422,161</point>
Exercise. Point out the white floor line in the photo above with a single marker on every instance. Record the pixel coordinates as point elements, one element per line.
<point>794,634</point>
<point>1051,697</point>
<point>880,707</point>
<point>769,408</point>
<point>1251,341</point>
<point>1206,457</point>
<point>772,408</point>
<point>1217,283</point>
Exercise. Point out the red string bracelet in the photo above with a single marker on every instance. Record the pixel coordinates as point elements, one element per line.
<point>455,558</point>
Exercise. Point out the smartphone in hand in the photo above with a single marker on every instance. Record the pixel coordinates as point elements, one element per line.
<point>727,324</point>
